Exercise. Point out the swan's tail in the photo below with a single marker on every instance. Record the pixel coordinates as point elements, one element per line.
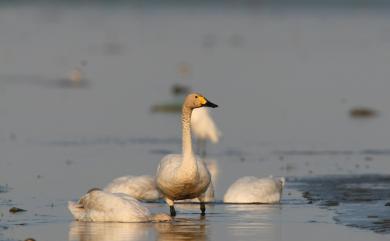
<point>161,217</point>
<point>76,210</point>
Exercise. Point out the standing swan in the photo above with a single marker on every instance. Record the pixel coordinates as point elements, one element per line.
<point>183,176</point>
<point>101,206</point>
<point>255,190</point>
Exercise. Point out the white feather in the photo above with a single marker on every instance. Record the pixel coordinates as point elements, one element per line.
<point>102,206</point>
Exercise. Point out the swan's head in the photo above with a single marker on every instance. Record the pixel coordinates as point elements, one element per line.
<point>196,100</point>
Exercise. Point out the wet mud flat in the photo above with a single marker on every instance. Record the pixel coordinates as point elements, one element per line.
<point>360,201</point>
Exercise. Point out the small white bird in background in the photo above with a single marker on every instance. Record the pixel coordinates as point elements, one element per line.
<point>142,188</point>
<point>101,206</point>
<point>204,128</point>
<point>255,190</point>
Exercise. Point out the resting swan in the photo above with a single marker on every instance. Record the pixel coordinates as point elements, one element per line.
<point>184,176</point>
<point>204,128</point>
<point>101,206</point>
<point>142,188</point>
<point>255,190</point>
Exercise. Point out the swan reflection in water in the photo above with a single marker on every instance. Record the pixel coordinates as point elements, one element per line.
<point>180,229</point>
<point>107,231</point>
<point>262,220</point>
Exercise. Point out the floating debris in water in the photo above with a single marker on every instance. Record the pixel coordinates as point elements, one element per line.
<point>69,162</point>
<point>330,203</point>
<point>16,210</point>
<point>363,113</point>
<point>368,158</point>
<point>357,165</point>
<point>288,167</point>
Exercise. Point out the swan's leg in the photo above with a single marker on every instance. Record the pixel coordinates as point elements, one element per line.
<point>202,205</point>
<point>171,206</point>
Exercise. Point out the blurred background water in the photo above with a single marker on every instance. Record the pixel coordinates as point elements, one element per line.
<point>286,75</point>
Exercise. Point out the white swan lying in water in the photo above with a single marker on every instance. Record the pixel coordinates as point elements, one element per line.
<point>101,206</point>
<point>255,190</point>
<point>142,188</point>
<point>184,176</point>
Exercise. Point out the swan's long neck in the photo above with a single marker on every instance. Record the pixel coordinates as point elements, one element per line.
<point>189,162</point>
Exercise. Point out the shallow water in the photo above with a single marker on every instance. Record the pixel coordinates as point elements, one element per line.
<point>357,201</point>
<point>284,80</point>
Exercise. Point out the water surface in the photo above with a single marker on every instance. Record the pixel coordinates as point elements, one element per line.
<point>284,80</point>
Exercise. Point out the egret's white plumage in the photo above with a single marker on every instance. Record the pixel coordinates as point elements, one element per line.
<point>203,126</point>
<point>101,206</point>
<point>142,188</point>
<point>255,190</point>
<point>184,176</point>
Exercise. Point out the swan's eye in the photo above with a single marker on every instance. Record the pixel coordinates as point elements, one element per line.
<point>196,97</point>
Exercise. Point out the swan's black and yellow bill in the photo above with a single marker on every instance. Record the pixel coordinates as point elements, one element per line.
<point>206,102</point>
<point>210,104</point>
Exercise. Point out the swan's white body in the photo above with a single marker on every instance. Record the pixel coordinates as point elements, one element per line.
<point>255,190</point>
<point>212,166</point>
<point>142,188</point>
<point>203,126</point>
<point>184,176</point>
<point>102,206</point>
<point>178,185</point>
